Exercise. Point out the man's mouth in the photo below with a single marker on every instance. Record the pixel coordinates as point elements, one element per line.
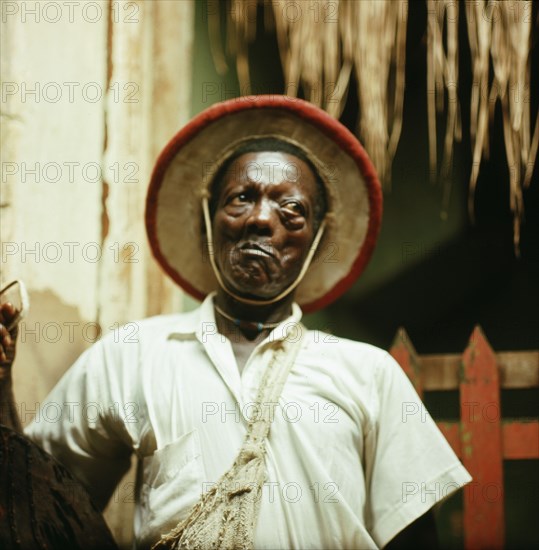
<point>257,249</point>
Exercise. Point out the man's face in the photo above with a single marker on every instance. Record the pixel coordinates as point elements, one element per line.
<point>263,222</point>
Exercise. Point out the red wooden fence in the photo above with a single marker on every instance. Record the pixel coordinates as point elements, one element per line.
<point>482,439</point>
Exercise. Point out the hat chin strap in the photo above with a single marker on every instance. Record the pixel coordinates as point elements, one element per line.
<point>257,302</point>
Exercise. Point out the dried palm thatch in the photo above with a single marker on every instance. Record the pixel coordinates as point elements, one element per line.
<point>322,43</point>
<point>320,51</point>
<point>502,29</point>
<point>442,79</point>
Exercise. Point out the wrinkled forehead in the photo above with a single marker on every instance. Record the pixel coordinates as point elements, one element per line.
<point>269,167</point>
<point>266,143</point>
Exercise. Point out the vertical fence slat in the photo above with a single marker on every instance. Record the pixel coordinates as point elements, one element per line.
<point>404,353</point>
<point>481,439</point>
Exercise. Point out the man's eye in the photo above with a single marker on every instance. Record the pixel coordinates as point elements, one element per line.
<point>238,199</point>
<point>295,207</point>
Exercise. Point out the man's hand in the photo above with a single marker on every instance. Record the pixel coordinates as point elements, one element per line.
<point>7,338</point>
<point>8,410</point>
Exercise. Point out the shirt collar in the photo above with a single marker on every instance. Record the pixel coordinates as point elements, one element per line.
<point>201,322</point>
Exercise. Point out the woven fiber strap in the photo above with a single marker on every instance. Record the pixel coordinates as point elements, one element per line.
<point>225,517</point>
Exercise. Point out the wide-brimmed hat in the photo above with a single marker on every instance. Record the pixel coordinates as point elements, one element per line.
<point>184,171</point>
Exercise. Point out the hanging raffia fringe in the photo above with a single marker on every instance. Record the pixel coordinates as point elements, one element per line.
<point>502,29</point>
<point>380,28</point>
<point>442,78</point>
<point>323,42</point>
<point>479,36</point>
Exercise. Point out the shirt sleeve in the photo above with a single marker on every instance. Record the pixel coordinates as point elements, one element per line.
<point>409,465</point>
<point>82,422</point>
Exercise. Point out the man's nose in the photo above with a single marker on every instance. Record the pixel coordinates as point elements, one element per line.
<point>261,216</point>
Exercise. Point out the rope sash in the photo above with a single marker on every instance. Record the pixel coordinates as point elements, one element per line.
<point>225,517</point>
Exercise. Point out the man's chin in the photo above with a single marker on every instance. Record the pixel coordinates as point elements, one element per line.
<point>253,292</point>
<point>254,288</point>
<point>254,279</point>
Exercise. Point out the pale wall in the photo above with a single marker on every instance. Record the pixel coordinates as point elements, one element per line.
<point>112,84</point>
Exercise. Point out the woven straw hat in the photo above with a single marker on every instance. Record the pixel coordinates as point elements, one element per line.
<point>184,170</point>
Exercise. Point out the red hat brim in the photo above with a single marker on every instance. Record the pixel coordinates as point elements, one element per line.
<point>181,175</point>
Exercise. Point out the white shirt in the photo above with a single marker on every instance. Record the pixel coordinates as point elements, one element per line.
<point>352,456</point>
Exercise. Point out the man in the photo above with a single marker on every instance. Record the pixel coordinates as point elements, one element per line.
<point>257,204</point>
